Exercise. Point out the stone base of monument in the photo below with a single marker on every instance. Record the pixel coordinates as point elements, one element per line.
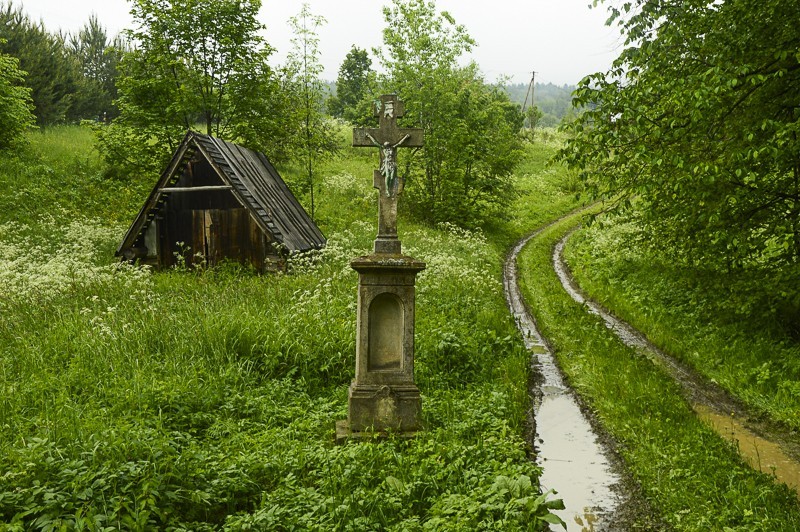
<point>381,412</point>
<point>378,411</point>
<point>383,399</point>
<point>383,407</point>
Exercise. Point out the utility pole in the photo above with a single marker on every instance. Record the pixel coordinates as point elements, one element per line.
<point>531,87</point>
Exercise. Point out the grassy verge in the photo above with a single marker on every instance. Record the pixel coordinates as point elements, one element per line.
<point>693,477</point>
<point>207,400</point>
<point>722,325</point>
<point>60,174</point>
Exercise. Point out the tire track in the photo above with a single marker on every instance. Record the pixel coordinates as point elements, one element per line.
<point>576,462</point>
<point>766,447</point>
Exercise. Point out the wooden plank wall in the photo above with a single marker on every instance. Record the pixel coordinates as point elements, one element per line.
<point>215,234</point>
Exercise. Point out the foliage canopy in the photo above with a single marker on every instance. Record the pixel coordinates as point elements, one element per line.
<point>97,58</point>
<point>355,88</point>
<point>471,129</point>
<point>71,77</point>
<point>698,118</point>
<point>15,102</point>
<point>194,62</point>
<point>52,76</point>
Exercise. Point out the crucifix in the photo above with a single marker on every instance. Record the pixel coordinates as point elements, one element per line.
<point>387,138</point>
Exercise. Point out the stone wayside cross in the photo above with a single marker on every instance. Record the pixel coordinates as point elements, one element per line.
<point>383,398</point>
<point>388,137</point>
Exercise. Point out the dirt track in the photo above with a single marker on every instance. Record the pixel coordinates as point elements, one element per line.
<point>766,446</point>
<point>577,456</point>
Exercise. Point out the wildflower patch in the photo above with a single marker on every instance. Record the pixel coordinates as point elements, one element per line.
<point>35,267</point>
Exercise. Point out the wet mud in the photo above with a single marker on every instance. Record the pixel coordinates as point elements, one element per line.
<point>765,446</point>
<point>764,455</point>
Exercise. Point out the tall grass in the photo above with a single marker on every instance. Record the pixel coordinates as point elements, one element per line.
<point>207,399</point>
<point>59,173</point>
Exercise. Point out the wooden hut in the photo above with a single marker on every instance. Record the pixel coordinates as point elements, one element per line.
<point>215,201</point>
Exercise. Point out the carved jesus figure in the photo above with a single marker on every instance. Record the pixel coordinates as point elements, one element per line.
<point>389,162</point>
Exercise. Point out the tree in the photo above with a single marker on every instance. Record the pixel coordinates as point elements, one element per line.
<point>52,74</point>
<point>533,114</point>
<point>305,69</point>
<point>71,77</point>
<point>98,58</point>
<point>697,122</point>
<point>471,130</point>
<point>354,88</point>
<point>15,102</point>
<point>194,62</point>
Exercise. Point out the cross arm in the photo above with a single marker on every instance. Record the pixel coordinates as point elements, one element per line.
<point>403,137</point>
<point>365,137</point>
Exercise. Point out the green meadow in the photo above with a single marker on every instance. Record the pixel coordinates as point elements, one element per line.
<point>206,399</point>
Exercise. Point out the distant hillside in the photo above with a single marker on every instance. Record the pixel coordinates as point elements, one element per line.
<point>555,101</point>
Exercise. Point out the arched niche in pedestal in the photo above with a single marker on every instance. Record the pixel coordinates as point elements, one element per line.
<point>386,327</point>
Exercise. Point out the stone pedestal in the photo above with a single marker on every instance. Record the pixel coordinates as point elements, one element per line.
<point>383,397</point>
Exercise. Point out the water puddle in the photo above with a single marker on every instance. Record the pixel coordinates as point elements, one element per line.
<point>761,454</point>
<point>710,404</point>
<point>573,460</point>
<point>573,463</point>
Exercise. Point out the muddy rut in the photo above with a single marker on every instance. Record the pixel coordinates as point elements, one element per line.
<point>577,456</point>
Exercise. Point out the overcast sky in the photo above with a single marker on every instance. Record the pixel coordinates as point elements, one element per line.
<point>562,40</point>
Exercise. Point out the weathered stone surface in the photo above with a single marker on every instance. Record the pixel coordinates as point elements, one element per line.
<point>383,397</point>
<point>385,322</point>
<point>384,408</point>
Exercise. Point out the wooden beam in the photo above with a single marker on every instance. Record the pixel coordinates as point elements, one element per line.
<point>194,189</point>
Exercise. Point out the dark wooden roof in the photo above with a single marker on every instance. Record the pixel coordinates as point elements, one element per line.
<point>255,184</point>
